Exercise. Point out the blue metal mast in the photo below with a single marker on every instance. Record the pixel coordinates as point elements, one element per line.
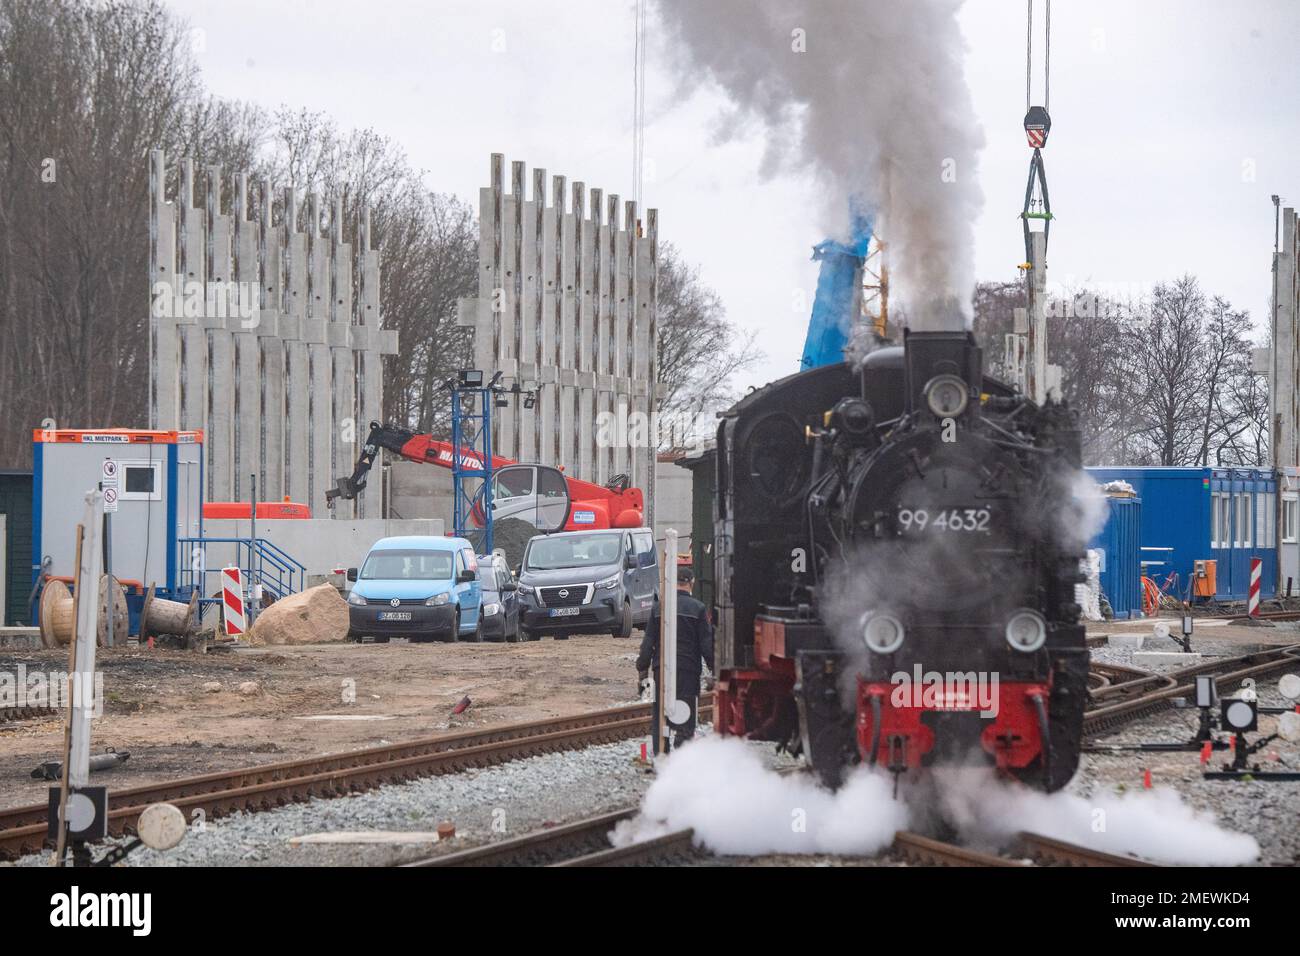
<point>471,441</point>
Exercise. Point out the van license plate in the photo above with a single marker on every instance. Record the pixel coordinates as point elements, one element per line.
<point>394,615</point>
<point>564,611</point>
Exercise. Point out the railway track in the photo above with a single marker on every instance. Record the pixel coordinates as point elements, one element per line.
<point>586,843</point>
<point>22,829</point>
<point>1119,703</point>
<point>1120,694</point>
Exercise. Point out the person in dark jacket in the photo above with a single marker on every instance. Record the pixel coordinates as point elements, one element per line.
<point>694,645</point>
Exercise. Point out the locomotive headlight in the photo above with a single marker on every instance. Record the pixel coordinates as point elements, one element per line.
<point>883,633</point>
<point>947,396</point>
<point>1026,631</point>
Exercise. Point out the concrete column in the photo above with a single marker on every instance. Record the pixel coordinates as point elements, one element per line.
<point>192,347</point>
<point>652,356</point>
<point>297,382</point>
<point>1286,387</point>
<point>548,405</point>
<point>568,337</point>
<point>320,369</point>
<point>347,431</point>
<point>246,444</point>
<point>270,399</point>
<point>164,348</point>
<point>1037,347</point>
<point>622,319</point>
<point>219,384</point>
<point>585,357</point>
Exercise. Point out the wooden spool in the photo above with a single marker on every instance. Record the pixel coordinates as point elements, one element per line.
<point>160,616</point>
<point>56,614</point>
<point>58,610</point>
<point>121,617</point>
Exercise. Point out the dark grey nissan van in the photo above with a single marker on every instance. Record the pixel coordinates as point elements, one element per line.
<point>588,582</point>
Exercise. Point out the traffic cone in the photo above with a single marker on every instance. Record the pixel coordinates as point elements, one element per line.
<point>1146,778</point>
<point>1206,749</point>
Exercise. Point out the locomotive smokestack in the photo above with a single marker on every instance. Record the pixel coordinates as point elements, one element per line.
<point>930,355</point>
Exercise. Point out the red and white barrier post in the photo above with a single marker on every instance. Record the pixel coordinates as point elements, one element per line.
<point>1256,576</point>
<point>232,601</point>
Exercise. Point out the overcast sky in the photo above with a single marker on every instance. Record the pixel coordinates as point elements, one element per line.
<point>1172,126</point>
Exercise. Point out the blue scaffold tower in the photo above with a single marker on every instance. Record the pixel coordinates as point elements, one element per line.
<point>471,439</point>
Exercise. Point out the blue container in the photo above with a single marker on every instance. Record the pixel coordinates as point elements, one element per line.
<point>1121,554</point>
<point>1191,514</point>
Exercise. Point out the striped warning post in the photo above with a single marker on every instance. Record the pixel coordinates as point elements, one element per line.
<point>232,601</point>
<point>1256,575</point>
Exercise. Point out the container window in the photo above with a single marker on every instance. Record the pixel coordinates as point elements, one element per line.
<point>1215,520</point>
<point>1264,520</point>
<point>141,481</point>
<point>1243,519</point>
<point>1290,519</point>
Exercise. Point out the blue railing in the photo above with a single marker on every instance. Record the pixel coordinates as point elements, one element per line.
<point>261,561</point>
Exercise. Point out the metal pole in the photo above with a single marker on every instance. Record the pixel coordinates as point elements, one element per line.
<point>671,710</point>
<point>111,593</point>
<point>1275,431</point>
<point>254,560</point>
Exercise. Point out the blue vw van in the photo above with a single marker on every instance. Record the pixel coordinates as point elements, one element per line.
<point>418,587</point>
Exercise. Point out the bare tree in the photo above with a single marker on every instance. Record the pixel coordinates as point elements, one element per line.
<point>700,349</point>
<point>1164,381</point>
<point>86,89</point>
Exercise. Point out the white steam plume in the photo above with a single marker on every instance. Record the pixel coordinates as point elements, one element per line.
<point>1155,825</point>
<point>719,787</point>
<point>869,96</point>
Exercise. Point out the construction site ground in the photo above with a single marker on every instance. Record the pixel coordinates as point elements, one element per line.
<point>156,706</point>
<point>157,709</point>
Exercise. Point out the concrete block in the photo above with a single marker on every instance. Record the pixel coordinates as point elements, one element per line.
<point>1158,658</point>
<point>387,343</point>
<point>312,331</point>
<point>1132,641</point>
<point>336,334</point>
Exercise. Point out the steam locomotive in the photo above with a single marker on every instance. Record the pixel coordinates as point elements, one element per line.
<point>884,523</point>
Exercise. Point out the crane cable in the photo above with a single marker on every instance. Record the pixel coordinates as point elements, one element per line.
<point>1047,57</point>
<point>638,106</point>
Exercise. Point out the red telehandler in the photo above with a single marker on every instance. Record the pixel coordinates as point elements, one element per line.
<point>540,495</point>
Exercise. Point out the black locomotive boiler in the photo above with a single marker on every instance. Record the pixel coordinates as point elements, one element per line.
<point>896,548</point>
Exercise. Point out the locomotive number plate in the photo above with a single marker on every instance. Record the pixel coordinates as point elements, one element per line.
<point>948,519</point>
